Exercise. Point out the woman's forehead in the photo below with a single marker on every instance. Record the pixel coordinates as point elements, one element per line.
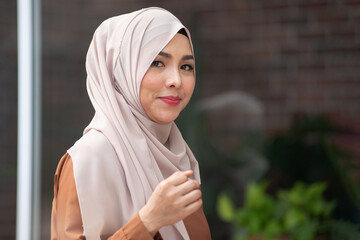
<point>179,44</point>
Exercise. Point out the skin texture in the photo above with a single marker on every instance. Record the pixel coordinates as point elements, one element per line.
<point>170,74</point>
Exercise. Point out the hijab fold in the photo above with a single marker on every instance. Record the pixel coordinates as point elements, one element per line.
<point>123,155</point>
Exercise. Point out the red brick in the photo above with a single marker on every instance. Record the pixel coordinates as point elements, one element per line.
<point>331,17</point>
<point>351,2</point>
<point>313,4</point>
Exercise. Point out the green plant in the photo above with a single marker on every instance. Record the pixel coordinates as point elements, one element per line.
<point>308,152</point>
<point>300,212</point>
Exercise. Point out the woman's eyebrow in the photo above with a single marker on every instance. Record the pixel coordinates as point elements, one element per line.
<point>167,55</point>
<point>164,54</point>
<point>188,57</point>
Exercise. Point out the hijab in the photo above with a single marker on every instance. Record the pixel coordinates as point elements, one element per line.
<point>123,154</point>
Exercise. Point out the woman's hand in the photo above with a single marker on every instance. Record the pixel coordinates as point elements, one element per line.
<point>174,199</point>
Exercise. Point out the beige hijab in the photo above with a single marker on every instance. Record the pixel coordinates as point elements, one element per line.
<point>123,155</point>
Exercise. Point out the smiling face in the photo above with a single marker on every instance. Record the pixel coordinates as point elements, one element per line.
<point>168,84</point>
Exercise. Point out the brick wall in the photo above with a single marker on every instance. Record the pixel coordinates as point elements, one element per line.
<point>293,56</point>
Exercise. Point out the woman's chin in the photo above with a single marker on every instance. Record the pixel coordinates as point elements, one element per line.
<point>166,118</point>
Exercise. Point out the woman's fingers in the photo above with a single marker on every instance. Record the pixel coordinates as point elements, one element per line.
<point>191,197</point>
<point>173,199</point>
<point>188,173</point>
<point>179,177</point>
<point>193,207</point>
<point>188,192</point>
<point>188,186</point>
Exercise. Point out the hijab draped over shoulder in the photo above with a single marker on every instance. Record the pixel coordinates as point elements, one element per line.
<point>123,155</point>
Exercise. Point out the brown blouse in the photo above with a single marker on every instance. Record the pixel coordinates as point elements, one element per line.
<point>66,220</point>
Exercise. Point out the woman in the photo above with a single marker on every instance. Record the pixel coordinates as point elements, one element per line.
<point>131,175</point>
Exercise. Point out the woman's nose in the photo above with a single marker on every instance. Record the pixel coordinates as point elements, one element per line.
<point>173,79</point>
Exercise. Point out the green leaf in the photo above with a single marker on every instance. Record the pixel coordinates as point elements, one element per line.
<point>254,195</point>
<point>255,226</point>
<point>280,209</point>
<point>329,207</point>
<point>225,208</point>
<point>296,194</point>
<point>305,231</point>
<point>315,191</point>
<point>242,216</point>
<point>273,228</point>
<point>293,218</point>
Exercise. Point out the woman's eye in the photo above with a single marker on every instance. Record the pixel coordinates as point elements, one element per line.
<point>187,67</point>
<point>157,64</point>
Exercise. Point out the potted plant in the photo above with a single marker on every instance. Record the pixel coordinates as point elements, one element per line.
<point>300,213</point>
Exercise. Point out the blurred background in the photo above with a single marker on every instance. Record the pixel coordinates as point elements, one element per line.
<point>277,102</point>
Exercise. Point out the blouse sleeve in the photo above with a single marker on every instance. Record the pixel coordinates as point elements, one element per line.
<point>66,220</point>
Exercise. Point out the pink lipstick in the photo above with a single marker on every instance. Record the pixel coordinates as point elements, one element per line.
<point>171,100</point>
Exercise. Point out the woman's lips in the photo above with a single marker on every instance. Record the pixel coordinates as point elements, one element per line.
<point>171,100</point>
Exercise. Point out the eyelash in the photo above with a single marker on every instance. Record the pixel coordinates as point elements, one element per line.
<point>156,64</point>
<point>186,67</point>
<point>190,67</point>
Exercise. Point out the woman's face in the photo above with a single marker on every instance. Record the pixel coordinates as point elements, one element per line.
<point>169,82</point>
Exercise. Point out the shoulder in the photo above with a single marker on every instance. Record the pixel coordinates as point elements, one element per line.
<point>93,153</point>
<point>93,142</point>
<point>92,148</point>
